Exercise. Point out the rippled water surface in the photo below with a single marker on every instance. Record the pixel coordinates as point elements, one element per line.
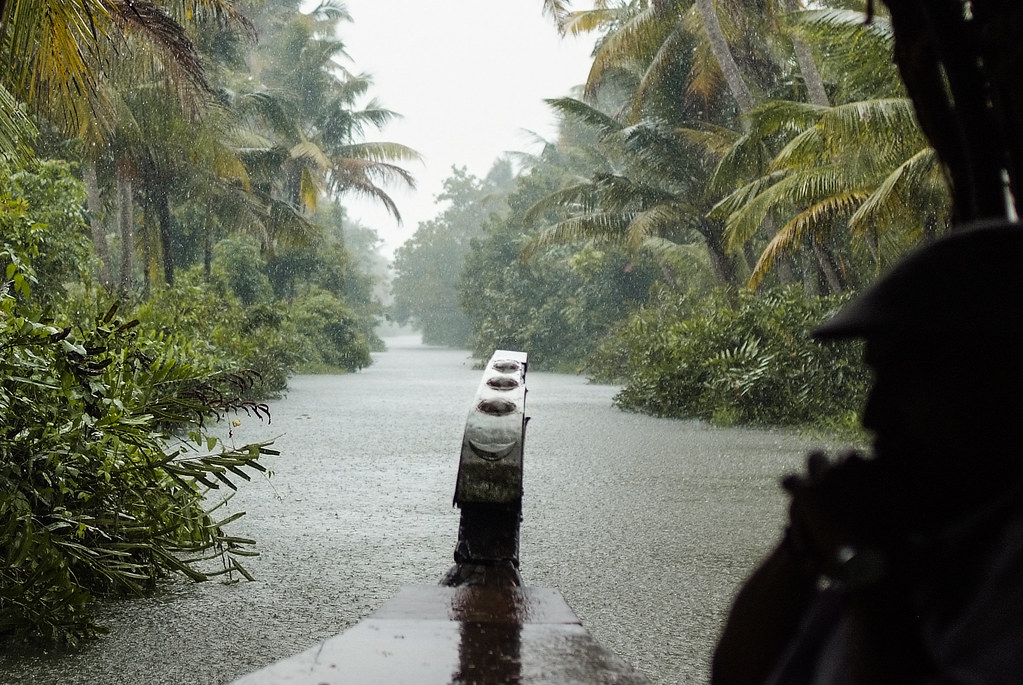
<point>645,525</point>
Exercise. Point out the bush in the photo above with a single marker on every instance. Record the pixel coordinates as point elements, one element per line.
<point>736,358</point>
<point>330,333</point>
<point>104,466</point>
<point>41,214</point>
<point>104,469</point>
<point>211,329</point>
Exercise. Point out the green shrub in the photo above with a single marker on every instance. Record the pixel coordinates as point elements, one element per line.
<point>41,214</point>
<point>214,331</point>
<point>330,333</point>
<point>104,468</point>
<point>104,465</point>
<point>735,358</point>
<point>237,268</point>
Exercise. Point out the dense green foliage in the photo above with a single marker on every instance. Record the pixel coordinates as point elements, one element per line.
<point>775,154</point>
<point>557,305</point>
<point>97,494</point>
<point>105,462</point>
<point>747,361</point>
<point>427,268</point>
<point>210,264</point>
<point>104,465</point>
<point>770,149</point>
<point>41,219</point>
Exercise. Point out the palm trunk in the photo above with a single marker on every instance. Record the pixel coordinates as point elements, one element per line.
<point>166,236</point>
<point>827,266</point>
<point>807,66</point>
<point>723,55</point>
<point>126,223</point>
<point>721,263</point>
<point>98,229</point>
<point>811,75</point>
<point>724,268</point>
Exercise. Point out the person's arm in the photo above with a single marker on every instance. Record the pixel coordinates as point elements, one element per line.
<point>765,616</point>
<point>828,504</point>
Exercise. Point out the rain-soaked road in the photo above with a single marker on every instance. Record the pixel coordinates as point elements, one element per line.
<point>645,525</point>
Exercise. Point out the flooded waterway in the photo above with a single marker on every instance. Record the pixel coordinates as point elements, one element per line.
<point>647,526</point>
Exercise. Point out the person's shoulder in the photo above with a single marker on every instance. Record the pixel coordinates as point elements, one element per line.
<point>972,619</point>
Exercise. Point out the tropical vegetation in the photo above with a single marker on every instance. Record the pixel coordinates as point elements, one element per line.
<point>174,246</point>
<point>719,183</point>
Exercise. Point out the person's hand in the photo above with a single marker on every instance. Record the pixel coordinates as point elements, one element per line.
<point>836,506</point>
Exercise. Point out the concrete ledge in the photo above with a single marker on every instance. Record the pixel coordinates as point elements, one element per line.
<point>431,635</point>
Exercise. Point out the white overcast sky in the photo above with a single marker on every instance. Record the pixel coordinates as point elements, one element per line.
<point>469,78</point>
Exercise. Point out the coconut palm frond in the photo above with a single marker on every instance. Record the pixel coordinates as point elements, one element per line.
<point>741,197</point>
<point>782,117</point>
<point>852,48</point>
<point>378,152</point>
<point>669,250</point>
<point>656,154</point>
<point>805,149</point>
<point>848,26</point>
<point>372,115</point>
<point>889,203</point>
<point>855,122</point>
<point>621,193</point>
<point>270,109</point>
<point>307,150</point>
<point>363,177</point>
<point>810,187</point>
<point>332,11</point>
<point>60,79</point>
<point>578,197</point>
<point>744,158</point>
<point>585,114</point>
<point>16,131</point>
<point>816,220</point>
<point>640,34</point>
<point>743,224</point>
<point>220,11</point>
<point>579,22</point>
<point>225,163</point>
<point>600,227</point>
<point>308,190</point>
<point>161,33</point>
<point>659,221</point>
<point>286,225</point>
<point>705,79</point>
<point>558,10</point>
<point>717,141</point>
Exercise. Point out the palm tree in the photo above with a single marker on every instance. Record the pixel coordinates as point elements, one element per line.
<point>723,55</point>
<point>861,169</point>
<point>53,52</point>
<point>683,47</point>
<point>308,131</point>
<point>648,193</point>
<point>861,166</point>
<point>91,46</point>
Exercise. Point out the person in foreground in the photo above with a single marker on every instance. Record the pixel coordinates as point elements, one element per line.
<point>906,566</point>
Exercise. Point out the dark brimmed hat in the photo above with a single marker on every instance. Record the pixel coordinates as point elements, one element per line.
<point>967,286</point>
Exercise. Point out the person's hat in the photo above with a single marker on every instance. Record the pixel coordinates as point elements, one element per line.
<point>968,285</point>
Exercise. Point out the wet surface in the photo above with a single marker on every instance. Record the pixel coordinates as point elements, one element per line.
<point>646,526</point>
<point>475,635</point>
